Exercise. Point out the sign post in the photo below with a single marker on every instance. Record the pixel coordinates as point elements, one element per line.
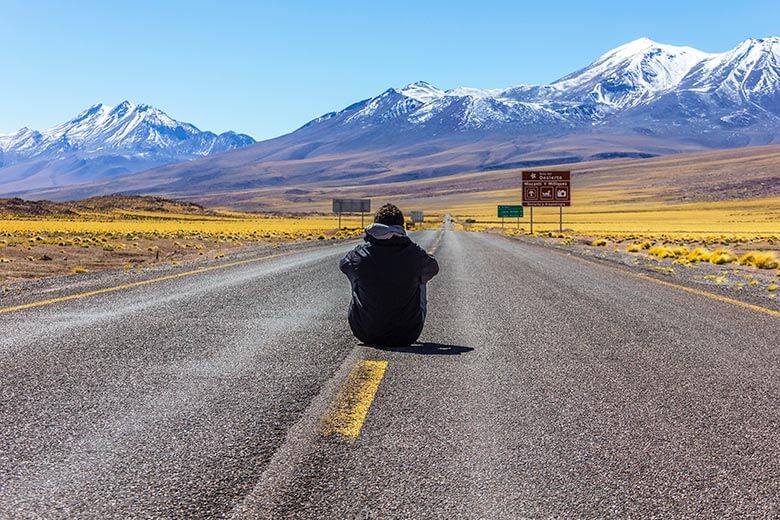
<point>417,217</point>
<point>545,189</point>
<point>361,206</point>
<point>560,221</point>
<point>511,212</point>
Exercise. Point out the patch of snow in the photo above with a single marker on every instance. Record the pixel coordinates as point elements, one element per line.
<point>422,91</point>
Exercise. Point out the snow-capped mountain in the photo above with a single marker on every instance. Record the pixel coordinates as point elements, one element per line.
<point>748,73</point>
<point>640,99</point>
<point>110,140</point>
<point>727,99</point>
<point>126,128</point>
<point>623,82</point>
<point>629,75</point>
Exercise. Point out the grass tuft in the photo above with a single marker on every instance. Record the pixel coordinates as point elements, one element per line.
<point>661,251</point>
<point>761,260</point>
<point>722,256</point>
<point>699,255</point>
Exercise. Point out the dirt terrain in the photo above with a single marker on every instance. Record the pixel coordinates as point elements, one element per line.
<point>44,239</point>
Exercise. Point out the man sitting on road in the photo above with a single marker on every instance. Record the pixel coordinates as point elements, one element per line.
<point>388,273</point>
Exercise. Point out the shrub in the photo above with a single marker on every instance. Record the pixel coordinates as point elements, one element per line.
<point>599,242</point>
<point>699,255</point>
<point>661,252</point>
<point>762,260</point>
<point>722,256</point>
<point>633,248</point>
<point>79,270</point>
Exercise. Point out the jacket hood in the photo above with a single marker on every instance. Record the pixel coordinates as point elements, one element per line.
<point>384,232</point>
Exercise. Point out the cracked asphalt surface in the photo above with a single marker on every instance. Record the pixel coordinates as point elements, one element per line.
<point>546,386</point>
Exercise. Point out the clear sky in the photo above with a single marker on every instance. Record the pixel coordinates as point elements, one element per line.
<point>267,67</point>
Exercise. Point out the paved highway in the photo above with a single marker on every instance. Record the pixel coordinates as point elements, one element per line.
<point>545,386</point>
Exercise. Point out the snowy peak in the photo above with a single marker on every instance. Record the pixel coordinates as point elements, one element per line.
<point>422,91</point>
<point>392,104</point>
<point>642,47</point>
<point>126,129</point>
<point>749,72</point>
<point>122,109</point>
<point>756,49</point>
<point>631,74</point>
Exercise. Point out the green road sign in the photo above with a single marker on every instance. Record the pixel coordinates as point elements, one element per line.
<point>510,211</point>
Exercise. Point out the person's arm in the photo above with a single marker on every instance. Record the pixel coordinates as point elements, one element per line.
<point>347,266</point>
<point>430,267</point>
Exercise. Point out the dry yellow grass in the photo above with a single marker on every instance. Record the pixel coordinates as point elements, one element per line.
<point>760,259</point>
<point>591,214</point>
<point>660,251</point>
<point>247,227</point>
<point>722,256</point>
<point>44,246</point>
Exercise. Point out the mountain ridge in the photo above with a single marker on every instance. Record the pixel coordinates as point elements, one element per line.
<point>127,137</point>
<point>640,99</point>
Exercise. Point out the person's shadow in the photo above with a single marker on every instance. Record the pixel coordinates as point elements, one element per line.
<point>428,348</point>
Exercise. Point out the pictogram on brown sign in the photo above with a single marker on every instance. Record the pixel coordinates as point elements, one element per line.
<point>546,188</point>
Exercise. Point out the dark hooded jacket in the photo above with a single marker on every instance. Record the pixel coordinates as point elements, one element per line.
<point>388,273</point>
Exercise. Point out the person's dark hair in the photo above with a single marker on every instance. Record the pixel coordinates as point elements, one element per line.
<point>389,215</point>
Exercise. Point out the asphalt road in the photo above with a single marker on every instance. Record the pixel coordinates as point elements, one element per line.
<point>546,386</point>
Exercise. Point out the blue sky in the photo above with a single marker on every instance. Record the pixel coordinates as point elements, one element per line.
<point>265,68</point>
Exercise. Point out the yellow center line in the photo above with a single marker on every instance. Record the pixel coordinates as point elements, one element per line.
<point>140,283</point>
<point>710,295</point>
<point>348,413</point>
<point>437,243</point>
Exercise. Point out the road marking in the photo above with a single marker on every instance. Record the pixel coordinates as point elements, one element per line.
<point>140,283</point>
<point>348,413</point>
<point>710,295</point>
<point>699,292</point>
<point>437,243</point>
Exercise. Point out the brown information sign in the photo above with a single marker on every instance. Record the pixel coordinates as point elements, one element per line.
<point>546,188</point>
